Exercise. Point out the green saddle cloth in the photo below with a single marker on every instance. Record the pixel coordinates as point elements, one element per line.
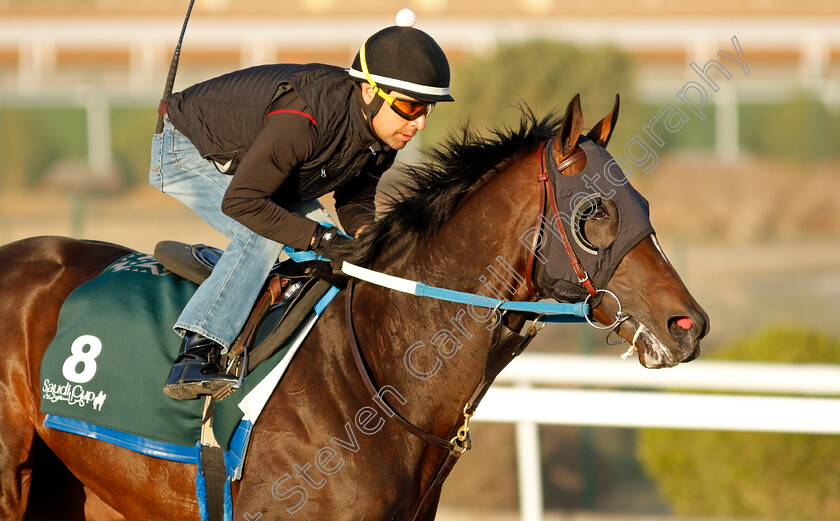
<point>113,352</point>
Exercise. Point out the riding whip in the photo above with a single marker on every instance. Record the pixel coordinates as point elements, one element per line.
<point>173,68</point>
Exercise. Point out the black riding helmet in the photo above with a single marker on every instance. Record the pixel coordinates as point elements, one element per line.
<point>404,59</point>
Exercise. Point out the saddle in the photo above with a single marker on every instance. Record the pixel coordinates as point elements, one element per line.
<point>287,298</point>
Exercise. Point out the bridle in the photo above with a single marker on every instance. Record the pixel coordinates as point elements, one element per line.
<point>509,342</point>
<point>547,194</point>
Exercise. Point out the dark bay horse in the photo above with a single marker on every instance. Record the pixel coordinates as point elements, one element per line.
<point>322,448</point>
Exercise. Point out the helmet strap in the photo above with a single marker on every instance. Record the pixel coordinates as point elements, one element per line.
<point>370,110</point>
<point>378,95</point>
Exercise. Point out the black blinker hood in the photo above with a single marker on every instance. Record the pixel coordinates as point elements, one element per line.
<point>601,177</point>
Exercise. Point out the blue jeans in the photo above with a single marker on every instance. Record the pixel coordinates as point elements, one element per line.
<point>220,307</point>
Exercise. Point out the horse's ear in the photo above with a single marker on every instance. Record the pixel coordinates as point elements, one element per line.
<point>603,130</point>
<point>571,128</point>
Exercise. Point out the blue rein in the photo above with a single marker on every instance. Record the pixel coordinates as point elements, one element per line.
<point>550,311</point>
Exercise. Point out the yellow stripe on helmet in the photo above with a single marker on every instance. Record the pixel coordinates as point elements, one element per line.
<point>387,97</point>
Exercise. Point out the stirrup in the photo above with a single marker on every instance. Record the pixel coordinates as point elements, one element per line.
<point>192,390</point>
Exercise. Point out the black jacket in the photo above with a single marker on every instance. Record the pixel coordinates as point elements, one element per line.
<point>290,132</point>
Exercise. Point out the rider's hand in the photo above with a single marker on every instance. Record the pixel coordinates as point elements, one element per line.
<point>329,243</point>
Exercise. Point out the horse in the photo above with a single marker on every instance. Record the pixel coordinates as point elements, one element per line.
<point>325,447</point>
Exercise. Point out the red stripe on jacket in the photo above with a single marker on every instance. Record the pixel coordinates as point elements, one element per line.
<point>304,114</point>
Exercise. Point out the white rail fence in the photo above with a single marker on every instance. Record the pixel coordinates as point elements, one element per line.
<point>797,403</point>
<point>37,41</point>
<point>38,44</point>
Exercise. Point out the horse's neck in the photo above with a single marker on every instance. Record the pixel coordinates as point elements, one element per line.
<point>435,352</point>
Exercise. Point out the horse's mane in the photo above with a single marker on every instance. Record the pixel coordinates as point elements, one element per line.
<point>447,173</point>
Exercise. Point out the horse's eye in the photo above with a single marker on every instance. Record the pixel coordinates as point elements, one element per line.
<point>588,209</point>
<point>596,212</point>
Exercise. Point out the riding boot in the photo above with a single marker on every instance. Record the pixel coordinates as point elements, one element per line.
<point>197,372</point>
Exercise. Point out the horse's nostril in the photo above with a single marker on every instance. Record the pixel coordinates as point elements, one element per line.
<point>682,328</point>
<point>685,323</point>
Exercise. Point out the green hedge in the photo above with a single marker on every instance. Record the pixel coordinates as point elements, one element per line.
<point>746,474</point>
<point>802,128</point>
<point>34,140</point>
<point>488,90</point>
<point>132,131</point>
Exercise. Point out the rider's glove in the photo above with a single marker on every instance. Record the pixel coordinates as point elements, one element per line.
<point>330,243</point>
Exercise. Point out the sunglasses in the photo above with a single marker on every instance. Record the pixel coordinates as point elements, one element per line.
<point>407,109</point>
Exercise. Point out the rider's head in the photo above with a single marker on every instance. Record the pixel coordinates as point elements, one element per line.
<point>404,69</point>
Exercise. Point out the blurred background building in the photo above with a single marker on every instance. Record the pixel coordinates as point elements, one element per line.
<point>744,200</point>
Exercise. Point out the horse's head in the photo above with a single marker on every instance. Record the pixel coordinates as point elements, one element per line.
<point>607,227</point>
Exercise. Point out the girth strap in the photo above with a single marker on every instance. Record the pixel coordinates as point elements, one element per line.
<point>215,477</point>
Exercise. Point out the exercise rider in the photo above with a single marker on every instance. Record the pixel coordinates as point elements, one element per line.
<point>252,150</point>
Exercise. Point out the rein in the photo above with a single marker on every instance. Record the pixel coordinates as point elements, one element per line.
<point>547,311</point>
